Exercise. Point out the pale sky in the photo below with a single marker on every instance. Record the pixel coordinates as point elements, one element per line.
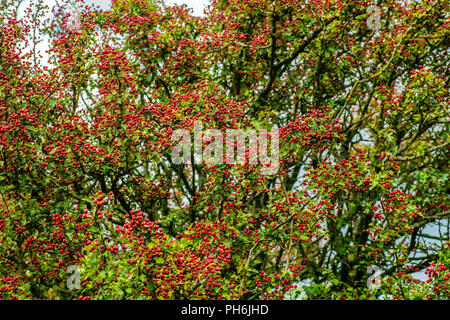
<point>197,5</point>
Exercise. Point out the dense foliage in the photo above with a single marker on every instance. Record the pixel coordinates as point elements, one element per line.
<point>87,179</point>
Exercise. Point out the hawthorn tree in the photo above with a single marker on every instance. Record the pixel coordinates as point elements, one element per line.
<point>87,180</point>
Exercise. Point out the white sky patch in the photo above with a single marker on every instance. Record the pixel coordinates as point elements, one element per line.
<point>101,4</point>
<point>198,6</point>
<point>43,41</point>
